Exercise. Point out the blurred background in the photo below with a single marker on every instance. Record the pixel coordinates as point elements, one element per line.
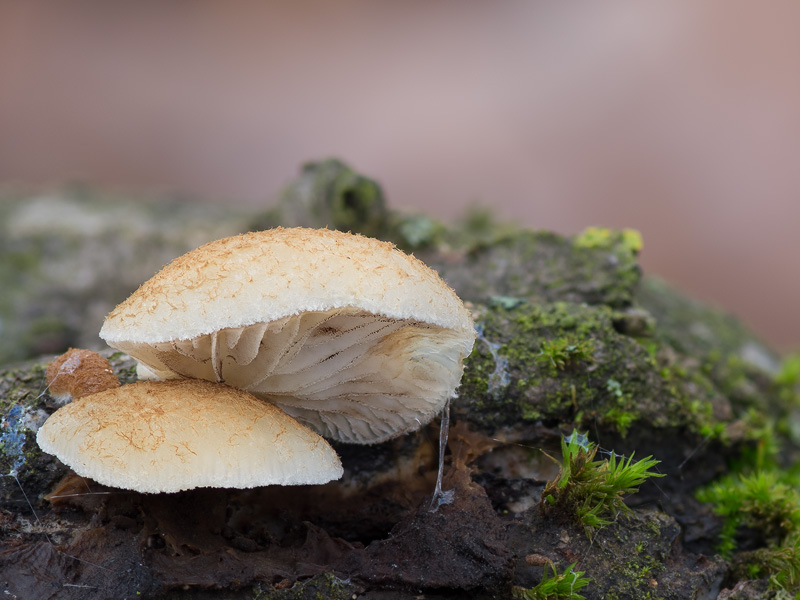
<point>679,119</point>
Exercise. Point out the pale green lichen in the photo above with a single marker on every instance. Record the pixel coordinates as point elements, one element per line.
<point>602,237</point>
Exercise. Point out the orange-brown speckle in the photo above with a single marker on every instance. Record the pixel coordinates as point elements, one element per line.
<point>78,373</point>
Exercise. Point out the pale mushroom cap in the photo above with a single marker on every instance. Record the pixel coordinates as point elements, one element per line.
<point>167,436</point>
<point>348,334</point>
<point>264,276</point>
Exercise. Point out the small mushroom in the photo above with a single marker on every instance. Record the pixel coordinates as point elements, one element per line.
<point>351,336</point>
<point>78,373</point>
<point>168,436</point>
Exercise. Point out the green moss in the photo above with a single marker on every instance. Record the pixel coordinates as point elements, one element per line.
<point>620,419</point>
<point>759,497</point>
<point>634,578</point>
<point>555,585</point>
<point>590,490</point>
<point>628,240</point>
<point>565,352</point>
<point>762,497</point>
<point>759,501</point>
<point>559,358</point>
<point>787,379</point>
<point>617,384</point>
<point>780,565</point>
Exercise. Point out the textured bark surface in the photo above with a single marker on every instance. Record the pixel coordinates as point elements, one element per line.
<point>658,375</point>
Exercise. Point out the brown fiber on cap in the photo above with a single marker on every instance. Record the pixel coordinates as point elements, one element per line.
<point>350,335</point>
<point>167,436</point>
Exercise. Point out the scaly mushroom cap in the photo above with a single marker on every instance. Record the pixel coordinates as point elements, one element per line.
<point>348,334</point>
<point>167,436</point>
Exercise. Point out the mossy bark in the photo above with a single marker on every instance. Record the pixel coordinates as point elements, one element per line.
<point>570,337</point>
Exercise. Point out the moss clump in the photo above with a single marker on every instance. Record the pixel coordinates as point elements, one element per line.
<point>590,490</point>
<point>623,373</point>
<point>556,586</point>
<point>787,380</point>
<point>562,353</point>
<point>628,240</point>
<point>558,360</point>
<point>759,501</point>
<point>630,558</point>
<point>759,504</point>
<point>780,566</point>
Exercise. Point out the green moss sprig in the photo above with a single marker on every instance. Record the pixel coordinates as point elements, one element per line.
<point>555,586</point>
<point>788,378</point>
<point>766,500</point>
<point>603,237</point>
<point>781,564</point>
<point>759,501</point>
<point>593,490</point>
<point>563,352</point>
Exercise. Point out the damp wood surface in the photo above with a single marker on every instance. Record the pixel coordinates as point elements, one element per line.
<point>570,336</point>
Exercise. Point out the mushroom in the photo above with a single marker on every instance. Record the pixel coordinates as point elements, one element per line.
<point>168,436</point>
<point>351,336</point>
<point>78,373</point>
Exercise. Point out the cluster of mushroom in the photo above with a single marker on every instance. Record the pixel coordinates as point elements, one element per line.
<point>256,340</point>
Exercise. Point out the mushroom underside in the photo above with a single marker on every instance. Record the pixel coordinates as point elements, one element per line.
<point>351,375</point>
